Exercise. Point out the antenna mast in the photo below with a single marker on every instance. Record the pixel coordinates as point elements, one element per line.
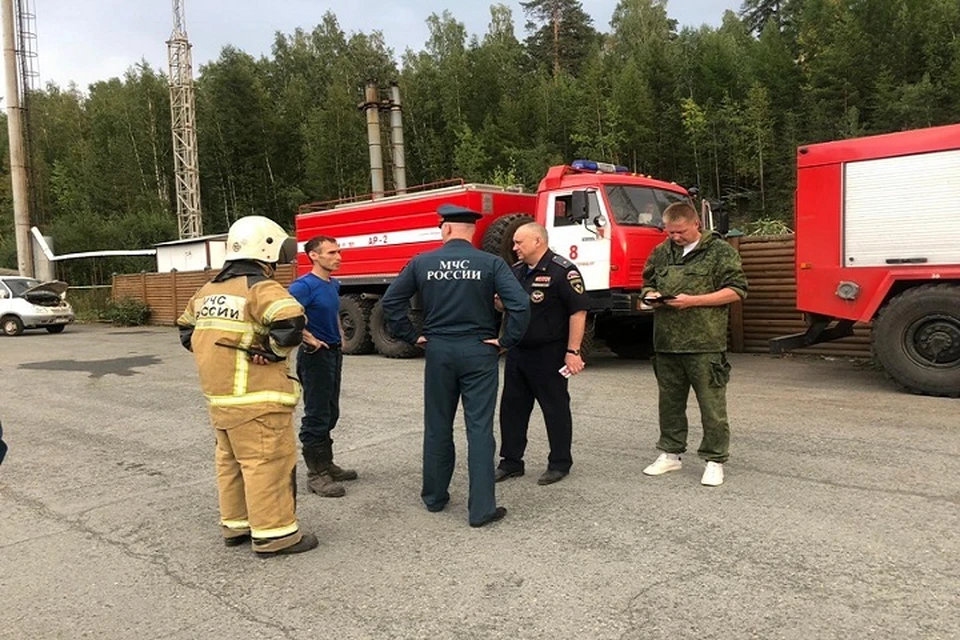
<point>183,117</point>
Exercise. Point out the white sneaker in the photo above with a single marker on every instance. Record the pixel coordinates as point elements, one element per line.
<point>664,463</point>
<point>712,475</point>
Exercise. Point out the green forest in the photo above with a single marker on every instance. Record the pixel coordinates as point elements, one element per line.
<point>722,107</point>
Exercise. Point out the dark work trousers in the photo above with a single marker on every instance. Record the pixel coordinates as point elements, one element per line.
<point>707,374</point>
<point>531,373</point>
<point>459,368</point>
<point>319,372</point>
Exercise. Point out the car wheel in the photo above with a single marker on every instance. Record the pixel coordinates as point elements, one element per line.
<point>56,328</point>
<point>11,325</point>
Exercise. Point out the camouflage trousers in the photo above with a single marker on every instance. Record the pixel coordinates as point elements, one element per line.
<point>707,374</point>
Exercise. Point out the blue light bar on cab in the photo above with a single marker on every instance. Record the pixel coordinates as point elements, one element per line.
<point>597,167</point>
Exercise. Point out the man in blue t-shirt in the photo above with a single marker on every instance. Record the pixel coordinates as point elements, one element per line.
<point>320,365</point>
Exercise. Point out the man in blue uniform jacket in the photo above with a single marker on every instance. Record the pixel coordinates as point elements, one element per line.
<point>457,284</point>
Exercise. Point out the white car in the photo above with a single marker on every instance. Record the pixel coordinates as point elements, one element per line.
<point>26,303</point>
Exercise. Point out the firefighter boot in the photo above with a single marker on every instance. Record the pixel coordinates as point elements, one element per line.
<point>268,548</point>
<point>319,479</point>
<point>338,473</point>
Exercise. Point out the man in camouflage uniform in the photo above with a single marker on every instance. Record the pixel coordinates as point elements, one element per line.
<point>240,327</point>
<point>690,280</point>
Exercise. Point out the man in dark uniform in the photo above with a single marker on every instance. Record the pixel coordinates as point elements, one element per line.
<point>457,284</point>
<point>558,309</point>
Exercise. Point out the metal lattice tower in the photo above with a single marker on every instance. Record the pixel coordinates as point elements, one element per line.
<point>27,63</point>
<point>27,47</point>
<point>183,118</point>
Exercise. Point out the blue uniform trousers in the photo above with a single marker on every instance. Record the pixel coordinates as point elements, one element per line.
<point>320,373</point>
<point>455,368</point>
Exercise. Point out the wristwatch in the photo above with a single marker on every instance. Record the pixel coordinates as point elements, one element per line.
<point>575,352</point>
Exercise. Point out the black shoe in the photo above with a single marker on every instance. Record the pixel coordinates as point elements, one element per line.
<point>502,474</point>
<point>236,541</point>
<point>497,515</point>
<point>307,542</point>
<point>436,508</point>
<point>550,476</point>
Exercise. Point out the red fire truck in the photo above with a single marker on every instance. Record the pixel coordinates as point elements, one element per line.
<point>878,239</point>
<point>602,217</point>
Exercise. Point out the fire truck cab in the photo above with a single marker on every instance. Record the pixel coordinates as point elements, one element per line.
<point>607,221</point>
<point>878,240</point>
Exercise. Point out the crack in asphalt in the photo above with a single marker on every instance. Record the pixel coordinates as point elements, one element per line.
<point>949,499</point>
<point>630,612</point>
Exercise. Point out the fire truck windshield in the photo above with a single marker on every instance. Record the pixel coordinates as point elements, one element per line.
<point>640,206</point>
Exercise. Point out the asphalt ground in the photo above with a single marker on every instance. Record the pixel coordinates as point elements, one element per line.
<point>839,517</point>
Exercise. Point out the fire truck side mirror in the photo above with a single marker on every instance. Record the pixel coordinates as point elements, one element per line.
<point>579,207</point>
<point>721,219</point>
<point>715,217</point>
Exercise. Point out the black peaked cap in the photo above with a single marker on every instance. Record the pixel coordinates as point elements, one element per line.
<point>454,213</point>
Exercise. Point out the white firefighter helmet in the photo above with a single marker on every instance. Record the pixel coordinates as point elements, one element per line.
<point>261,239</point>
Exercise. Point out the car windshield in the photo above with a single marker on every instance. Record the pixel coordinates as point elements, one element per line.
<point>18,285</point>
<point>640,206</point>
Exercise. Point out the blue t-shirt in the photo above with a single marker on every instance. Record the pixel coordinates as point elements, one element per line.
<point>321,300</point>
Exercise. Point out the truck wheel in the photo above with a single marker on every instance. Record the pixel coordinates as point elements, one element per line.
<point>498,238</point>
<point>916,338</point>
<point>355,320</point>
<point>11,326</point>
<point>632,342</point>
<point>589,343</point>
<point>386,344</point>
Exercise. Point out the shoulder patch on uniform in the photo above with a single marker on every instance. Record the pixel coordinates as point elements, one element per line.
<point>575,281</point>
<point>563,262</point>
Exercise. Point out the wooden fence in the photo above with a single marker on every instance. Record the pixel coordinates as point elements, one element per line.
<point>770,308</point>
<point>768,311</point>
<point>168,293</point>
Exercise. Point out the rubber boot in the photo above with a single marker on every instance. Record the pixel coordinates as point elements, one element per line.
<point>338,473</point>
<point>319,479</point>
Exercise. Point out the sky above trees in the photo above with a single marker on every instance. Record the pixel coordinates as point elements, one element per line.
<point>77,44</point>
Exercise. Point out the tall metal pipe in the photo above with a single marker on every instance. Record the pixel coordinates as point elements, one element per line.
<point>396,140</point>
<point>372,106</point>
<point>18,160</point>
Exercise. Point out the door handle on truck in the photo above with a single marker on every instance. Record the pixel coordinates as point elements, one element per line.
<point>905,260</point>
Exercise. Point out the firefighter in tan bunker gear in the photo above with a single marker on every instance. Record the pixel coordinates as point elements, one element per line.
<point>251,397</point>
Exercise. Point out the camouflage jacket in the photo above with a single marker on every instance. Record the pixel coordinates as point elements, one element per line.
<point>713,265</point>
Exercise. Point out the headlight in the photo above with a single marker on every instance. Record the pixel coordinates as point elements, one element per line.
<point>847,290</point>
